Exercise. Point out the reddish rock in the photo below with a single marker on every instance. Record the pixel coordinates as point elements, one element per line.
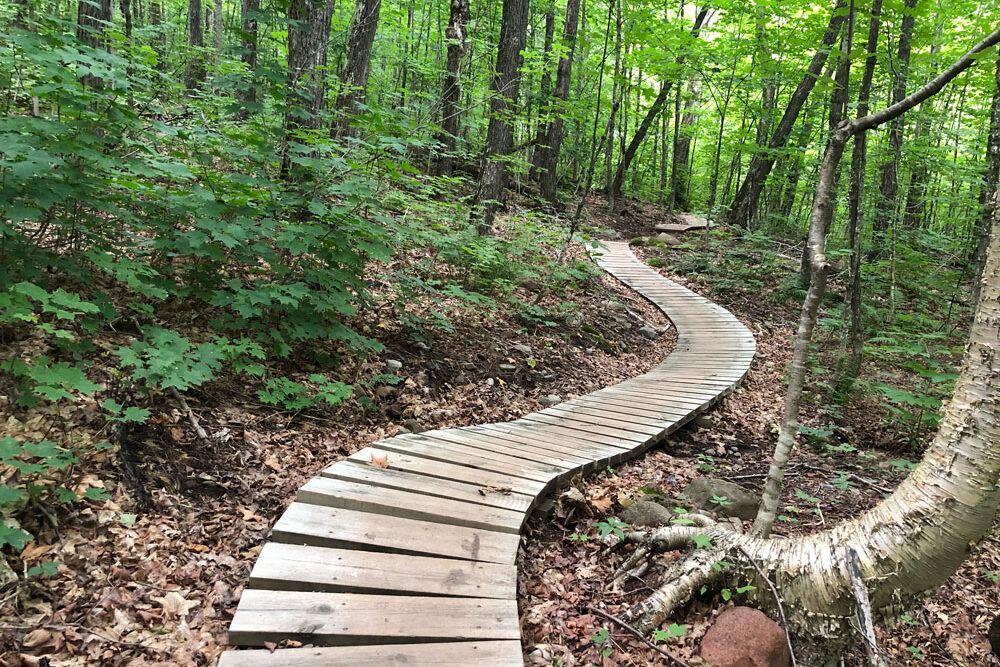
<point>745,637</point>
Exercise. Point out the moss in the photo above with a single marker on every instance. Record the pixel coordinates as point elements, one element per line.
<point>655,262</point>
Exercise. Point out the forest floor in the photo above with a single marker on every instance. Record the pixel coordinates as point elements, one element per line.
<point>857,457</point>
<point>152,575</point>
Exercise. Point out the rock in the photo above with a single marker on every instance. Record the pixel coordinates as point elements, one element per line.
<point>522,348</point>
<point>607,235</point>
<point>413,426</point>
<point>740,502</point>
<point>649,332</point>
<point>402,430</point>
<point>393,365</point>
<point>745,637</point>
<point>431,366</point>
<point>615,306</point>
<point>461,378</point>
<point>384,391</point>
<point>507,368</point>
<point>421,345</point>
<point>550,400</point>
<point>668,239</point>
<point>704,421</point>
<point>647,513</point>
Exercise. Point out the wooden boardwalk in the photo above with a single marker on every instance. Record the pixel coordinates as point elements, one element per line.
<point>414,563</point>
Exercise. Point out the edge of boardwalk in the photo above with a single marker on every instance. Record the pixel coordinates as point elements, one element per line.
<point>414,563</point>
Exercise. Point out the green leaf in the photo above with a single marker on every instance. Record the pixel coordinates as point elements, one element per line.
<point>95,493</point>
<point>15,537</point>
<point>128,520</point>
<point>702,541</point>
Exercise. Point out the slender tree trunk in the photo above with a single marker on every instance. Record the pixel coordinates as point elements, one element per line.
<point>247,94</point>
<point>885,210</point>
<point>910,542</point>
<point>682,152</point>
<point>989,199</point>
<point>674,161</point>
<point>852,346</point>
<point>661,99</point>
<point>744,206</point>
<point>615,103</point>
<point>126,7</point>
<point>500,132</point>
<point>217,24</point>
<point>452,93</point>
<point>158,38</point>
<point>564,73</point>
<point>195,73</point>
<point>822,211</point>
<point>545,94</point>
<point>354,77</point>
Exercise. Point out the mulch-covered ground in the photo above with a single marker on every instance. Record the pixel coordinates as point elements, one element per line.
<point>564,576</point>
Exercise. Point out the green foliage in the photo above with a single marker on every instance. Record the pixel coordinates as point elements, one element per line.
<point>673,630</point>
<point>610,526</point>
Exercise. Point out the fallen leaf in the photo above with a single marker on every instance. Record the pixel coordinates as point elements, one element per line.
<point>379,461</point>
<point>175,604</point>
<point>36,637</point>
<point>505,490</point>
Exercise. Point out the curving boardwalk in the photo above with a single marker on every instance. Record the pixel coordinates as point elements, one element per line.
<point>414,563</point>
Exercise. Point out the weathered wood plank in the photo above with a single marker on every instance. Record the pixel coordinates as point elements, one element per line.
<point>451,654</point>
<point>394,502</point>
<point>349,618</point>
<point>294,567</point>
<point>319,526</point>
<point>432,486</point>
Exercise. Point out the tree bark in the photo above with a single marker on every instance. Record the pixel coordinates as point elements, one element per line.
<point>553,142</point>
<point>247,94</point>
<point>852,347</point>
<point>912,541</point>
<point>885,210</point>
<point>661,99</point>
<point>451,95</point>
<point>500,133</point>
<point>354,78</point>
<point>195,71</point>
<point>681,170</point>
<point>545,92</point>
<point>609,153</point>
<point>744,206</point>
<point>308,40</point>
<point>989,200</point>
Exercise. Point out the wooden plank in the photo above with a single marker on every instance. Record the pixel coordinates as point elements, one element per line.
<point>433,486</point>
<point>294,567</point>
<point>451,471</point>
<point>319,526</point>
<point>572,434</point>
<point>451,654</point>
<point>442,450</point>
<point>575,424</point>
<point>512,447</point>
<point>544,438</point>
<point>350,618</point>
<point>632,424</point>
<point>343,494</point>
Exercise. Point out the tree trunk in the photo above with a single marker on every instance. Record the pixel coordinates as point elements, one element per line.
<point>681,172</point>
<point>661,99</point>
<point>195,72</point>
<point>885,210</point>
<point>989,200</point>
<point>564,72</point>
<point>247,94</point>
<point>158,38</point>
<point>126,7</point>
<point>744,206</point>
<point>545,93</point>
<point>910,542</point>
<point>852,347</point>
<point>217,24</point>
<point>307,53</point>
<point>500,132</point>
<point>452,93</point>
<point>354,78</point>
<point>615,103</point>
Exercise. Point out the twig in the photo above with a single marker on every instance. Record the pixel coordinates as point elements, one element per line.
<point>863,610</point>
<point>638,635</point>
<point>777,600</point>
<point>190,415</point>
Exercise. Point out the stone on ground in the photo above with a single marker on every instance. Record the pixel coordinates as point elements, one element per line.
<point>393,365</point>
<point>647,513</point>
<point>739,502</point>
<point>550,400</point>
<point>668,239</point>
<point>745,637</point>
<point>649,332</point>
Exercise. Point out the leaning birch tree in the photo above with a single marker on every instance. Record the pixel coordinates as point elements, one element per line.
<point>913,540</point>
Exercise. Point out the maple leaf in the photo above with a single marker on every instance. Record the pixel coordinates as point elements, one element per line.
<point>379,461</point>
<point>601,501</point>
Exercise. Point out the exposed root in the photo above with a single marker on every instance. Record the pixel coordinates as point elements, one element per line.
<point>684,580</point>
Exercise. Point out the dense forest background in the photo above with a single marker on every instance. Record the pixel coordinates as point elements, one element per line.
<point>214,202</point>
